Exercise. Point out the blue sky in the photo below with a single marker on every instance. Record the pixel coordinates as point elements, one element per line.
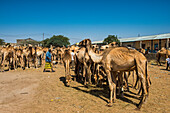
<point>79,19</point>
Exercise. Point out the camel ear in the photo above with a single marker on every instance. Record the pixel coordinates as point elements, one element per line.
<point>85,42</point>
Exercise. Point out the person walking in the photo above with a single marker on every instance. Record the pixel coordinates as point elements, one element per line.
<point>168,62</point>
<point>48,61</point>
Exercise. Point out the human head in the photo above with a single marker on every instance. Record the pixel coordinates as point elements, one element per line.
<point>49,50</point>
<point>72,50</point>
<point>168,56</point>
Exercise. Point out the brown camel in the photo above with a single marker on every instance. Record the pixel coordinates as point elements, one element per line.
<point>113,44</point>
<point>83,60</point>
<point>162,53</point>
<point>121,59</point>
<point>8,54</point>
<point>60,52</point>
<point>143,51</point>
<point>19,57</point>
<point>30,57</point>
<point>67,60</point>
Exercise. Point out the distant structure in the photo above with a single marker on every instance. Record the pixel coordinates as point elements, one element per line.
<point>154,42</point>
<point>26,41</point>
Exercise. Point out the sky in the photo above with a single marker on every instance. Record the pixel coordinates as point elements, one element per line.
<point>80,19</point>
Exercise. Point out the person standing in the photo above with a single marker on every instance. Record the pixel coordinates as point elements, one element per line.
<point>72,59</point>
<point>168,62</point>
<point>48,61</point>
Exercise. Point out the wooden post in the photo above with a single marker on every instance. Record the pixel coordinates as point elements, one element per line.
<point>120,43</point>
<point>167,43</point>
<point>140,44</point>
<point>151,45</point>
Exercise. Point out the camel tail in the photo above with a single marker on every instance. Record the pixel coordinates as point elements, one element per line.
<point>147,76</point>
<point>76,66</point>
<point>158,58</point>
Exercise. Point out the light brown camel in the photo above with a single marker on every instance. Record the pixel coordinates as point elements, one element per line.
<point>19,57</point>
<point>8,55</point>
<point>60,52</point>
<point>83,60</point>
<point>162,53</point>
<point>121,59</point>
<point>143,51</point>
<point>39,55</point>
<point>30,57</point>
<point>113,44</point>
<point>67,60</point>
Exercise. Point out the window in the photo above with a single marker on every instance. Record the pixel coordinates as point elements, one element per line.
<point>143,46</point>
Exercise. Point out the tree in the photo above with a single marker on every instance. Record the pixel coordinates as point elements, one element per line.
<point>2,41</point>
<point>58,41</point>
<point>110,39</point>
<point>44,42</point>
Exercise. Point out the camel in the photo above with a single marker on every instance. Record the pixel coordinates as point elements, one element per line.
<point>83,60</point>
<point>143,51</point>
<point>19,57</point>
<point>162,53</point>
<point>39,55</point>
<point>60,52</point>
<point>30,55</point>
<point>8,54</point>
<point>121,59</point>
<point>75,48</point>
<point>113,44</point>
<point>1,55</point>
<point>67,60</point>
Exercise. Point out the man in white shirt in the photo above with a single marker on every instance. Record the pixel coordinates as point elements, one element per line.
<point>168,62</point>
<point>72,59</point>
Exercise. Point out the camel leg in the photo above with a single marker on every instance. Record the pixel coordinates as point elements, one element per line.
<point>89,74</point>
<point>112,87</point>
<point>121,84</point>
<point>133,76</point>
<point>28,62</point>
<point>3,66</point>
<point>126,80</point>
<point>16,63</point>
<point>84,73</point>
<point>143,79</point>
<point>13,61</point>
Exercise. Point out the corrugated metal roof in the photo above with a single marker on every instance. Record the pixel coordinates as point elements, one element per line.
<point>97,42</point>
<point>142,38</point>
<point>152,37</point>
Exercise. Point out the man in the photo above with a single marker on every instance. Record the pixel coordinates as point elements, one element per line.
<point>48,61</point>
<point>168,62</point>
<point>72,59</point>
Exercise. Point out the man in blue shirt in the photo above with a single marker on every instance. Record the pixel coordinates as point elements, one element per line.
<point>48,61</point>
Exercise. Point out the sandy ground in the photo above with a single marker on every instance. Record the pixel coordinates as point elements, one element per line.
<point>32,91</point>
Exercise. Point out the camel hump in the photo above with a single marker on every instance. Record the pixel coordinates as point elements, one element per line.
<point>67,55</point>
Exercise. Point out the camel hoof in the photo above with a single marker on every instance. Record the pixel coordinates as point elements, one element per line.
<point>109,104</point>
<point>137,109</point>
<point>122,95</point>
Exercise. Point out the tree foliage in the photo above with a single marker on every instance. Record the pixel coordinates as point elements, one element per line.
<point>110,39</point>
<point>57,41</point>
<point>2,41</point>
<point>44,42</point>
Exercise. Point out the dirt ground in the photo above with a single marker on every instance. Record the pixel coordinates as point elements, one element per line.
<point>35,91</point>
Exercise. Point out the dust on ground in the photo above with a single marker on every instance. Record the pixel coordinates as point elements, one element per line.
<point>35,91</point>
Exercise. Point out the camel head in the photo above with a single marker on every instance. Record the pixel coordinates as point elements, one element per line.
<point>85,43</point>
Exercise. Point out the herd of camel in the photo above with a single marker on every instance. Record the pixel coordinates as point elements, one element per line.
<point>93,65</point>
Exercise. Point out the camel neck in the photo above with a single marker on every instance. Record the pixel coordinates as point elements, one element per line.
<point>95,57</point>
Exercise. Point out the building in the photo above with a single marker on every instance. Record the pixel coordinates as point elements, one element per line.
<point>26,41</point>
<point>154,42</point>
